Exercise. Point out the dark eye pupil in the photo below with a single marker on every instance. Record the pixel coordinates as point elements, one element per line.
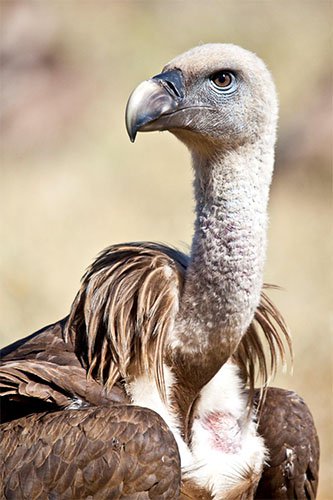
<point>222,79</point>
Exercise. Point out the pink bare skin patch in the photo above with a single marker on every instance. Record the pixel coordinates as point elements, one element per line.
<point>224,431</point>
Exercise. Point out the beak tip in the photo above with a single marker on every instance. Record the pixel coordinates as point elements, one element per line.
<point>131,130</point>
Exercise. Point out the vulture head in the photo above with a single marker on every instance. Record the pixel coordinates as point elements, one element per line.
<point>215,95</point>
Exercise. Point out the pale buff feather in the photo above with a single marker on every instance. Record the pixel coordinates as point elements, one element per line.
<point>125,307</point>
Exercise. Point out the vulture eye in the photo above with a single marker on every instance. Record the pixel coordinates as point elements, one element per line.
<point>223,80</point>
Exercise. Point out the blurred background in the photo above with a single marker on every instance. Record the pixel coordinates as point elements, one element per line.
<point>72,183</point>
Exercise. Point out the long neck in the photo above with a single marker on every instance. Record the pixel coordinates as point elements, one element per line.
<point>224,277</point>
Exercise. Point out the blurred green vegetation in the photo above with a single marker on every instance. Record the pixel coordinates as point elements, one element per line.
<point>71,182</point>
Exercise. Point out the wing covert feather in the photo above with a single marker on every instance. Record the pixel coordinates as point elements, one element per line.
<point>290,435</point>
<point>105,452</point>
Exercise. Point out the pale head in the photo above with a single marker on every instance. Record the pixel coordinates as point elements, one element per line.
<point>220,93</point>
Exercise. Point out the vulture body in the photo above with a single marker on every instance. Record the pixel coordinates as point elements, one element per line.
<point>146,389</point>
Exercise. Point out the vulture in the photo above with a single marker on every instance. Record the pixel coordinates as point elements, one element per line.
<point>146,390</point>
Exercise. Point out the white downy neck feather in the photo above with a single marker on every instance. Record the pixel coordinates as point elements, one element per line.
<point>224,442</point>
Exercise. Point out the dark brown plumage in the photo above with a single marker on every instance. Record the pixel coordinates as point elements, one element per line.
<point>47,372</point>
<point>290,435</point>
<point>106,335</point>
<point>104,452</point>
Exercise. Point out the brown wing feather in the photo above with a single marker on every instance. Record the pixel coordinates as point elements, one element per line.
<point>290,435</point>
<point>46,344</point>
<point>105,452</point>
<point>33,386</point>
<point>42,373</point>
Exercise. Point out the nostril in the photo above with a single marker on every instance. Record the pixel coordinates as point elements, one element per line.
<point>172,81</point>
<point>172,87</point>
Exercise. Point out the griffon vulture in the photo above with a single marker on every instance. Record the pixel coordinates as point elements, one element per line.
<point>146,389</point>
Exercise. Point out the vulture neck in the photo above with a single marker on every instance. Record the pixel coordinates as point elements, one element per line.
<point>225,274</point>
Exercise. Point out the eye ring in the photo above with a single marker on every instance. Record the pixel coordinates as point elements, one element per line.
<point>224,81</point>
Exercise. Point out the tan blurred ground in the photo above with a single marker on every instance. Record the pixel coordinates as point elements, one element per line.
<point>71,182</point>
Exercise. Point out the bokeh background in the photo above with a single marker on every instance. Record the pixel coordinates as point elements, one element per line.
<point>72,183</point>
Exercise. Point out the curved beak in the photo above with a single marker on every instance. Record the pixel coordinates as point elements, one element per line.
<point>153,99</point>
